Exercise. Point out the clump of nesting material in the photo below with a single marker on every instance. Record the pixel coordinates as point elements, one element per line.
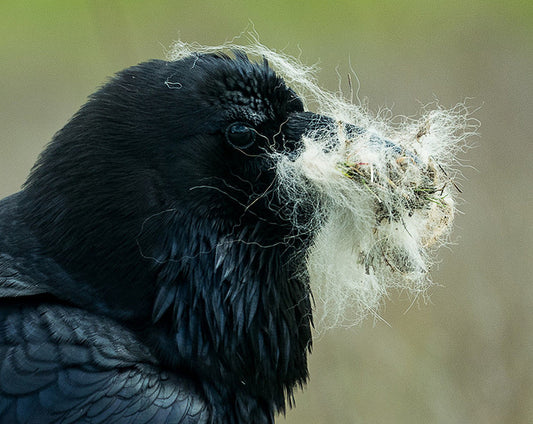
<point>375,197</point>
<point>384,201</point>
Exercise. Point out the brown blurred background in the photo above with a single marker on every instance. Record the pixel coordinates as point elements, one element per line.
<point>467,357</point>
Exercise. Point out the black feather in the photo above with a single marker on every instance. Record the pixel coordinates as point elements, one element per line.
<point>142,277</point>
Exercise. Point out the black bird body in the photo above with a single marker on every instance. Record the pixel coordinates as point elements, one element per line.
<point>147,273</point>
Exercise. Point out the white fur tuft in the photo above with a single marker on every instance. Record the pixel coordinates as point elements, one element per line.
<point>382,199</point>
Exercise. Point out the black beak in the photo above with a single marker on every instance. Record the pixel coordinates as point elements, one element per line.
<point>312,125</point>
<point>307,124</point>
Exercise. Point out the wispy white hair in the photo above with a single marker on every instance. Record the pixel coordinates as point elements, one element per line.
<point>384,196</point>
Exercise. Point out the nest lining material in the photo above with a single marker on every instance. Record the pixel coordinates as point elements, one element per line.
<point>377,204</point>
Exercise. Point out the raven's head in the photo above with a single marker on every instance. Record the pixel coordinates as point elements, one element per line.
<point>192,138</point>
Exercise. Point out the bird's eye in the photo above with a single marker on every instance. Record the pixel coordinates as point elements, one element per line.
<point>240,135</point>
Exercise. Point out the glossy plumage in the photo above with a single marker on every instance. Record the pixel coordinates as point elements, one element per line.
<point>147,271</point>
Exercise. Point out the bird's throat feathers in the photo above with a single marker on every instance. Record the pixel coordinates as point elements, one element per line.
<point>248,323</point>
<point>225,300</point>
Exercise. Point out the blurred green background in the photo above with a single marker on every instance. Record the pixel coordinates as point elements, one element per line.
<point>468,356</point>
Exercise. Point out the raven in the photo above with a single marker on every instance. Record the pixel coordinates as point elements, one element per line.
<point>147,267</point>
<point>157,264</point>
